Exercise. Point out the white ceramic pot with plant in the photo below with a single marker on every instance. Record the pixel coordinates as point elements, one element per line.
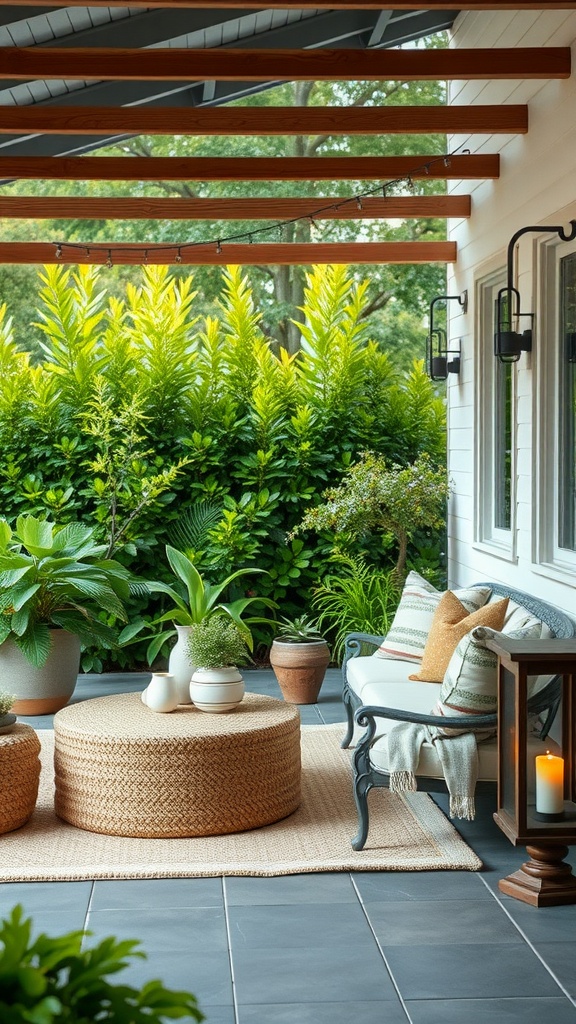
<point>217,647</point>
<point>193,599</point>
<point>54,582</point>
<point>299,656</point>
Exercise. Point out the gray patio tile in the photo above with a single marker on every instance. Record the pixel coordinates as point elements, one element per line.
<point>331,887</point>
<point>497,1011</point>
<point>313,975</point>
<point>469,970</point>
<point>396,886</point>
<point>381,1012</point>
<point>157,892</point>
<point>324,924</point>
<point>207,975</point>
<point>45,896</point>
<point>544,924</point>
<point>201,930</point>
<point>561,959</point>
<point>58,922</point>
<point>446,922</point>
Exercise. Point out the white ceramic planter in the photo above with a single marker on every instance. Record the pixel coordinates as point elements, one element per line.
<point>217,689</point>
<point>161,694</point>
<point>179,664</point>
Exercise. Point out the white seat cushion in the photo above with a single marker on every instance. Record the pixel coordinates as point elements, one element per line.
<point>383,682</point>
<point>430,767</point>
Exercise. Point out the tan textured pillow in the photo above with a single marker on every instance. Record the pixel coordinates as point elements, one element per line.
<point>450,623</point>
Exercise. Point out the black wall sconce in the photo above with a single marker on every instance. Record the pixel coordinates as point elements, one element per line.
<point>508,343</point>
<point>440,360</point>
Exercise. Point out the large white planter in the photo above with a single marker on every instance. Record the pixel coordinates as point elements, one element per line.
<point>179,664</point>
<point>41,691</point>
<point>217,689</point>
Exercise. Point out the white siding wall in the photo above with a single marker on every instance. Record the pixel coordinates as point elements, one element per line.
<point>537,185</point>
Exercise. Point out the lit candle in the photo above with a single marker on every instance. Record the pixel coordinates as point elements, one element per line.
<point>549,784</point>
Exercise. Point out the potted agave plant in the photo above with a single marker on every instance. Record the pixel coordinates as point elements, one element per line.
<point>54,582</point>
<point>299,656</point>
<point>217,646</point>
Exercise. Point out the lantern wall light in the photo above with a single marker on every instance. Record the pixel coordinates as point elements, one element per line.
<point>509,343</point>
<point>440,360</point>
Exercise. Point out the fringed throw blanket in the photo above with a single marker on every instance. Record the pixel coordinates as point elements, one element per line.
<point>458,756</point>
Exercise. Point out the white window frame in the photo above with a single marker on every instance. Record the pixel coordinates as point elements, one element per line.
<point>548,557</point>
<point>488,536</point>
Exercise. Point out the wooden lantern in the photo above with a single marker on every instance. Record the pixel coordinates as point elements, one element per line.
<point>543,818</point>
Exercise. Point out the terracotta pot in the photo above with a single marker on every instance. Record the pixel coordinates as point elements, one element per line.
<point>300,669</point>
<point>42,691</point>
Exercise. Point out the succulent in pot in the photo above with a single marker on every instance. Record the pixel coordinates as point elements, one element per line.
<point>54,583</point>
<point>217,646</point>
<point>299,656</point>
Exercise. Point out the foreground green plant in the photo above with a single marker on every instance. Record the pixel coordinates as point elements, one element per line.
<point>57,576</point>
<point>55,981</point>
<point>375,497</point>
<point>6,702</point>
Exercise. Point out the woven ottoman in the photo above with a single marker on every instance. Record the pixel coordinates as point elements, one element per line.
<point>122,769</point>
<point>19,776</point>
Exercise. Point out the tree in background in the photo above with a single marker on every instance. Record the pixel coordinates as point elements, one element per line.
<point>278,291</point>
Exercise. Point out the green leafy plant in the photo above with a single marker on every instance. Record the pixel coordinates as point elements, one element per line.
<point>217,642</point>
<point>6,702</point>
<point>356,598</point>
<point>49,980</point>
<point>56,576</point>
<point>373,496</point>
<point>299,630</point>
<point>196,600</point>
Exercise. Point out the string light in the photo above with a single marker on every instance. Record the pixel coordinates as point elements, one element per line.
<point>279,227</point>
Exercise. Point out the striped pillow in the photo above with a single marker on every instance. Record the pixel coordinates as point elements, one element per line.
<point>409,631</point>
<point>470,686</point>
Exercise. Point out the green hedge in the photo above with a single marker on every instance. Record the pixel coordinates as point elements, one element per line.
<point>141,414</point>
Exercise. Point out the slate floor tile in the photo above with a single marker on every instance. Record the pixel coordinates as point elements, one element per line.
<point>469,971</point>
<point>396,886</point>
<point>206,975</point>
<point>45,896</point>
<point>444,922</point>
<point>496,1011</point>
<point>323,924</point>
<point>333,887</point>
<point>544,924</point>
<point>201,930</point>
<point>310,975</point>
<point>381,1012</point>
<point>157,892</point>
<point>561,958</point>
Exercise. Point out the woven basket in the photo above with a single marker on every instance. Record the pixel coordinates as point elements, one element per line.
<point>19,776</point>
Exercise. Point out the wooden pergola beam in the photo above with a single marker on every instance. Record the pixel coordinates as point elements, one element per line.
<point>204,168</point>
<point>508,119</point>
<point>337,5</point>
<point>208,254</point>
<point>176,65</point>
<point>126,208</point>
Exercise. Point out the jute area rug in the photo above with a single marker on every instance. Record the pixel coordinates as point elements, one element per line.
<point>407,833</point>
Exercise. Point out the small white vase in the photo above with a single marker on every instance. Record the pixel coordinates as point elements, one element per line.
<point>161,693</point>
<point>217,689</point>
<point>179,664</point>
